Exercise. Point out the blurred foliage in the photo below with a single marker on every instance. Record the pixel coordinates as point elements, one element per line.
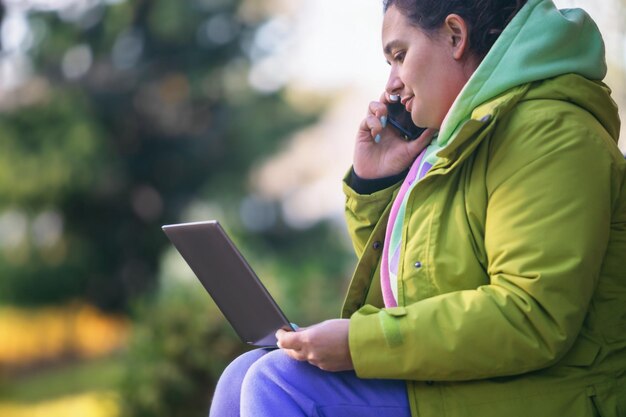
<point>139,113</point>
<point>33,337</point>
<point>140,107</point>
<point>179,348</point>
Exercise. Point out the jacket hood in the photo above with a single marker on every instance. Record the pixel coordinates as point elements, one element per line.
<point>539,43</point>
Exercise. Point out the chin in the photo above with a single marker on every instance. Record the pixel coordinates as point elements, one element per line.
<point>419,119</point>
<point>425,120</point>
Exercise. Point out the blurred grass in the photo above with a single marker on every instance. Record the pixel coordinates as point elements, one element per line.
<point>61,361</point>
<point>96,404</point>
<point>87,376</point>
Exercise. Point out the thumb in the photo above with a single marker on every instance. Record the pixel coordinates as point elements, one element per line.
<point>288,340</point>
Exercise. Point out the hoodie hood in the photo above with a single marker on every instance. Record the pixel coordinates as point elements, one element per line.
<point>540,42</point>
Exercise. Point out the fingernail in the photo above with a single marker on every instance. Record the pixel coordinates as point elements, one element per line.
<point>377,138</point>
<point>383,121</point>
<point>394,97</point>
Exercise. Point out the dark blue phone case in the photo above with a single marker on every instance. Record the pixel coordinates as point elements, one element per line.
<point>400,119</point>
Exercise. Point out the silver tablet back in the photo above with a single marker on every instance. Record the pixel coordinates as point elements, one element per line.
<point>230,281</point>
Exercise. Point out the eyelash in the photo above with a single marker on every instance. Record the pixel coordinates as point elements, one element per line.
<point>399,57</point>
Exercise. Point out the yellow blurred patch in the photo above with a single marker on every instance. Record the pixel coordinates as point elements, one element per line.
<point>97,404</point>
<point>37,335</point>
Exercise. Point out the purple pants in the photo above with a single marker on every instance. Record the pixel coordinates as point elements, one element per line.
<point>268,383</point>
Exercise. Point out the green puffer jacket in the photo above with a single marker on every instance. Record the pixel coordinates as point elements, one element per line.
<point>512,278</point>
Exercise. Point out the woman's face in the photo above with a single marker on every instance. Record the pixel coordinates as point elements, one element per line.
<point>426,70</point>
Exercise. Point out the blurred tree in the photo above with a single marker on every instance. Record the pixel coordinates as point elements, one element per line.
<point>1,18</point>
<point>136,109</point>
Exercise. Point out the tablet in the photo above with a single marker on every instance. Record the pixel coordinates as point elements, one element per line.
<point>233,285</point>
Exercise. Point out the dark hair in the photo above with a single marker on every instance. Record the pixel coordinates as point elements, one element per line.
<point>486,19</point>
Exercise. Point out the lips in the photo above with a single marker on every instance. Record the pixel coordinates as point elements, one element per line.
<point>407,102</point>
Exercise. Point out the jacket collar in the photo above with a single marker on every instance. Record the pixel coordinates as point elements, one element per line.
<point>473,131</point>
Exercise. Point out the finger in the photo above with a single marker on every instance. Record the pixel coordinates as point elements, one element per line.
<point>385,98</point>
<point>280,336</point>
<point>288,340</point>
<point>377,108</point>
<point>372,126</point>
<point>373,123</point>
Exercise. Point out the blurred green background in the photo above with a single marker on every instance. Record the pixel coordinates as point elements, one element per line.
<point>137,114</point>
<point>117,117</point>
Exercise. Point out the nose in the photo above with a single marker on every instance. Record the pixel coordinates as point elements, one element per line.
<point>394,83</point>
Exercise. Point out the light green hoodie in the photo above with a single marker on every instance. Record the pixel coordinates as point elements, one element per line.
<point>540,42</point>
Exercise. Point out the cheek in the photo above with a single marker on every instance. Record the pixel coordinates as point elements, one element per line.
<point>426,108</point>
<point>423,112</point>
<point>438,89</point>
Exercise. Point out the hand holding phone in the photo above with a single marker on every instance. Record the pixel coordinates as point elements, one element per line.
<point>381,149</point>
<point>400,119</point>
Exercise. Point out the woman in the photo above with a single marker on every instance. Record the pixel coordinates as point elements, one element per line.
<point>492,270</point>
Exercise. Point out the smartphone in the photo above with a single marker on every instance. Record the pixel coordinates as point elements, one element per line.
<point>400,119</point>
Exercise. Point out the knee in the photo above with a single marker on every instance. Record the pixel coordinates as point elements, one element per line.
<point>227,395</point>
<point>237,369</point>
<point>277,385</point>
<point>270,371</point>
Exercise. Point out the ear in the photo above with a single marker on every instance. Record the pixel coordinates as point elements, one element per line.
<point>457,35</point>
